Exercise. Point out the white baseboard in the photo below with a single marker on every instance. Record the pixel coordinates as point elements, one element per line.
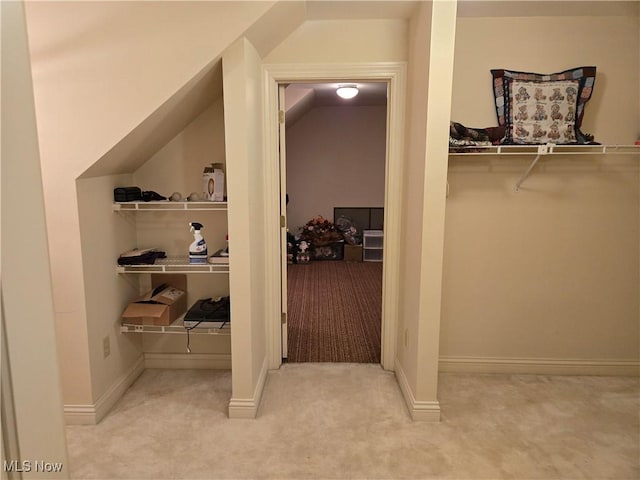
<point>92,414</point>
<point>424,411</point>
<point>209,361</point>
<point>248,407</point>
<point>538,366</point>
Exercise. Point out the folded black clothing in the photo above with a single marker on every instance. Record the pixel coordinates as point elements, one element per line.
<point>141,257</point>
<point>150,195</point>
<point>459,135</point>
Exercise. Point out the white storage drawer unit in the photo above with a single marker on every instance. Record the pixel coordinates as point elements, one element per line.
<point>372,245</point>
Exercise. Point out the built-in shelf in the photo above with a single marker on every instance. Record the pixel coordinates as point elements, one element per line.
<point>175,327</point>
<point>174,265</point>
<point>166,205</point>
<point>548,149</point>
<point>541,150</point>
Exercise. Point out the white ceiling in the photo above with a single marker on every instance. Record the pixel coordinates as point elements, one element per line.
<point>370,93</point>
<point>301,97</point>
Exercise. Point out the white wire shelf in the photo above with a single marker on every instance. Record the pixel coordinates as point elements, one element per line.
<point>166,205</point>
<point>548,149</point>
<point>174,265</point>
<point>176,327</point>
<point>542,150</point>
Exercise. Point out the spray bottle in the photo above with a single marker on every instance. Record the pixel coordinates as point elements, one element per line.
<point>198,249</point>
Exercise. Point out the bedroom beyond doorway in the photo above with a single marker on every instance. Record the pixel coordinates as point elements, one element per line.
<point>335,162</point>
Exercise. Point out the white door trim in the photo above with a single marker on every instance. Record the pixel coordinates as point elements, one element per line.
<point>394,73</point>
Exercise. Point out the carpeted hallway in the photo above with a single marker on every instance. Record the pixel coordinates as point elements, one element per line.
<point>334,312</point>
<point>346,421</point>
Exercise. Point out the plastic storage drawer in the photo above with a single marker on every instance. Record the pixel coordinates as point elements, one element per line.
<point>372,254</point>
<point>372,239</point>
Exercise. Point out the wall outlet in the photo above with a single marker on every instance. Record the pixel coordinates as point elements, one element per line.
<point>106,346</point>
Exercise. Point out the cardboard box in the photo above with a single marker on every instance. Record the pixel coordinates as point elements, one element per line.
<point>162,305</point>
<point>353,253</point>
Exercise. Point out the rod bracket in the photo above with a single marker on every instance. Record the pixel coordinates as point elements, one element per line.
<point>542,150</point>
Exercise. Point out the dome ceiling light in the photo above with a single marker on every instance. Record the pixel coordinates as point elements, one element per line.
<point>347,91</point>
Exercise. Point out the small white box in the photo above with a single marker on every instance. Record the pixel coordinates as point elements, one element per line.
<point>213,183</point>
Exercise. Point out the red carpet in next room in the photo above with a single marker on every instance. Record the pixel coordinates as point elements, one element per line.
<point>334,311</point>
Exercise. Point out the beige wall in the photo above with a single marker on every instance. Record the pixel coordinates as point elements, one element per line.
<point>100,69</point>
<point>335,158</point>
<point>179,164</point>
<point>552,271</point>
<point>104,235</point>
<point>351,41</point>
<point>548,272</point>
<point>331,41</point>
<point>27,299</point>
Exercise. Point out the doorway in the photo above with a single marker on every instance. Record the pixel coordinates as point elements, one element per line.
<point>275,75</point>
<point>335,193</point>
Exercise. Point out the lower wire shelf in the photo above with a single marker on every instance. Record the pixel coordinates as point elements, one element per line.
<point>176,327</point>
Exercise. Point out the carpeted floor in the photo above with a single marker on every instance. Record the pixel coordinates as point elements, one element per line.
<point>346,421</point>
<point>334,312</point>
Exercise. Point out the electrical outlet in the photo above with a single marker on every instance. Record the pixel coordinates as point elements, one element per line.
<point>106,346</point>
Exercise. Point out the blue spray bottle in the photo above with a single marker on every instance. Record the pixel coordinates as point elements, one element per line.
<point>197,249</point>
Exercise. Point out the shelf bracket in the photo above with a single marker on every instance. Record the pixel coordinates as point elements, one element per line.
<point>542,150</point>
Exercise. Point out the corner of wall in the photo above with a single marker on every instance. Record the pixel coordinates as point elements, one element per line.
<point>242,83</point>
<point>92,414</point>
<point>425,411</point>
<point>247,408</point>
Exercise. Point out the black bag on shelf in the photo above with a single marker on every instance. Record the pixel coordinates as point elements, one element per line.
<point>127,194</point>
<point>147,256</point>
<point>209,309</point>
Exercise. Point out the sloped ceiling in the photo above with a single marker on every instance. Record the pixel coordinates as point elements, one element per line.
<point>162,125</point>
<point>169,119</point>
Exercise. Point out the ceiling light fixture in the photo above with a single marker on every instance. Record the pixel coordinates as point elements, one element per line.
<point>347,91</point>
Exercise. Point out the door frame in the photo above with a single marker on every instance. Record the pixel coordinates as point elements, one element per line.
<point>394,73</point>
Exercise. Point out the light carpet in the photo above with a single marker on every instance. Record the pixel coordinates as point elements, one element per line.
<point>350,421</point>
